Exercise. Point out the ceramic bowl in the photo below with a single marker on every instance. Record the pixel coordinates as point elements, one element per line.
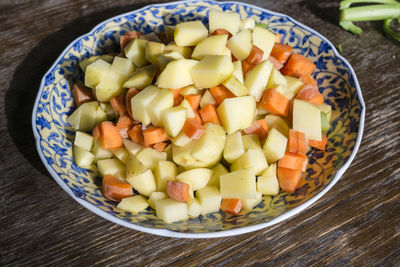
<point>336,80</point>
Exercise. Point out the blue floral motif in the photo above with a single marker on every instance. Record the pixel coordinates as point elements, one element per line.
<point>334,76</point>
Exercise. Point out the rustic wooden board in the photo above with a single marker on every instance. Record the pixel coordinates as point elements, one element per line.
<point>355,223</point>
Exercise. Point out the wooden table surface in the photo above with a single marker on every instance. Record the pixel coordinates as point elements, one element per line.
<point>356,223</point>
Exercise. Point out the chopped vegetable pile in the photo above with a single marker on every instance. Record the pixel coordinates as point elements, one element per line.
<point>196,120</point>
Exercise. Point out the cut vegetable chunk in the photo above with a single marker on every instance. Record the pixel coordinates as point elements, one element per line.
<point>275,102</point>
<point>153,135</point>
<point>268,183</point>
<point>114,189</point>
<point>259,127</point>
<point>110,136</point>
<point>210,199</point>
<point>233,148</point>
<point>224,20</point>
<point>307,119</point>
<point>274,146</point>
<point>281,52</point>
<point>170,210</point>
<point>238,184</point>
<point>209,114</point>
<point>294,162</point>
<point>321,145</point>
<point>81,93</point>
<point>133,204</point>
<point>288,179</point>
<point>310,94</point>
<point>177,190</point>
<point>298,65</point>
<point>220,93</point>
<point>189,33</point>
<point>232,205</point>
<point>256,56</point>
<point>193,129</point>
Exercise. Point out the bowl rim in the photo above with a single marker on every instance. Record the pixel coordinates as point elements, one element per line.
<point>222,233</point>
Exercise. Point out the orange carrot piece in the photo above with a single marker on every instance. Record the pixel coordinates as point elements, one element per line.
<point>222,31</point>
<point>219,94</point>
<point>294,162</point>
<point>118,104</point>
<point>178,190</point>
<point>160,146</point>
<point>298,65</point>
<point>288,179</point>
<point>153,135</point>
<point>231,205</point>
<point>136,134</point>
<point>193,128</point>
<point>302,143</point>
<point>310,94</point>
<point>177,97</point>
<point>292,146</point>
<point>110,137</point>
<point>114,189</point>
<point>308,79</point>
<point>127,37</point>
<point>321,145</point>
<point>194,100</point>
<point>123,125</point>
<point>255,56</point>
<point>277,65</point>
<point>96,132</point>
<point>246,67</point>
<point>131,93</point>
<point>197,117</point>
<point>81,94</point>
<point>176,92</point>
<point>275,102</point>
<point>278,37</point>
<point>259,128</point>
<point>209,114</point>
<point>281,52</point>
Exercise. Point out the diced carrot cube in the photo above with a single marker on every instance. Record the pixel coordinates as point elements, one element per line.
<point>255,56</point>
<point>220,93</point>
<point>281,52</point>
<point>81,94</point>
<point>275,102</point>
<point>288,179</point>
<point>298,65</point>
<point>193,129</point>
<point>293,161</point>
<point>259,128</point>
<point>310,94</point>
<point>114,189</point>
<point>222,31</point>
<point>153,135</point>
<point>178,190</point>
<point>232,205</point>
<point>118,104</point>
<point>209,114</point>
<point>194,100</point>
<point>110,137</point>
<point>136,134</point>
<point>321,145</point>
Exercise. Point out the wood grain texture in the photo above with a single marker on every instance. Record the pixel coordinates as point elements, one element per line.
<point>356,223</point>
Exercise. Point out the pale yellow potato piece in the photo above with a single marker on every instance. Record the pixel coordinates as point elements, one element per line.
<point>150,157</point>
<point>241,44</point>
<point>235,86</point>
<point>251,141</point>
<point>185,51</point>
<point>173,120</point>
<point>136,52</point>
<point>274,146</point>
<point>210,199</point>
<point>229,21</point>
<point>163,101</point>
<point>276,79</point>
<point>218,170</point>
<point>190,90</point>
<point>181,139</point>
<point>237,113</point>
<point>189,33</point>
<point>206,99</point>
<point>87,61</point>
<point>110,166</point>
<point>189,110</point>
<point>156,196</point>
<point>253,158</point>
<point>170,210</point>
<point>237,70</point>
<point>84,117</point>
<point>307,119</point>
<point>211,71</point>
<point>197,178</point>
<point>121,153</point>
<point>233,148</point>
<point>122,66</point>
<point>153,51</point>
<point>250,203</point>
<point>194,208</point>
<point>248,23</point>
<point>109,86</point>
<point>144,183</point>
<point>212,45</point>
<point>141,78</point>
<point>256,79</point>
<point>164,171</point>
<point>132,147</point>
<point>82,157</point>
<point>140,104</point>
<point>99,152</point>
<point>95,71</point>
<point>133,204</point>
<point>238,184</point>
<point>177,74</point>
<point>294,84</point>
<point>277,122</point>
<point>83,140</point>
<point>267,183</point>
<point>264,39</point>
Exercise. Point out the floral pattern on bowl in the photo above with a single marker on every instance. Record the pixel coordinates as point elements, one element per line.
<point>336,79</point>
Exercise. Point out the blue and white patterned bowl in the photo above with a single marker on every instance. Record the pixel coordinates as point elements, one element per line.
<point>336,79</point>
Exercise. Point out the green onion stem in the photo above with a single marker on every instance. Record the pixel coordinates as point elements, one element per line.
<point>346,3</point>
<point>390,31</point>
<point>372,12</point>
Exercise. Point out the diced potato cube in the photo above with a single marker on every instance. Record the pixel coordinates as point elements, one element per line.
<point>165,171</point>
<point>224,20</point>
<point>141,78</point>
<point>99,152</point>
<point>100,115</point>
<point>140,104</point>
<point>248,23</point>
<point>253,158</point>
<point>251,141</point>
<point>235,86</point>
<point>134,166</point>
<point>194,208</point>
<point>170,210</point>
<point>95,71</point>
<point>275,145</point>
<point>185,51</point>
<point>233,148</point>
<point>144,183</point>
<point>121,153</point>
<point>307,119</point>
<point>241,44</point>
<point>153,51</point>
<point>83,140</point>
<point>133,204</point>
<point>238,184</point>
<point>189,33</point>
<point>109,86</point>
<point>110,166</point>
<point>212,45</point>
<point>177,74</point>
<point>283,90</point>
<point>263,39</point>
<point>190,90</point>
<point>181,139</point>
<point>206,99</point>
<point>267,183</point>
<point>250,203</point>
<point>84,117</point>
<point>164,59</point>
<point>276,79</point>
<point>132,147</point>
<point>277,122</point>
<point>237,71</point>
<point>196,178</point>
<point>163,101</point>
<point>156,196</point>
<point>189,110</point>
<point>218,170</point>
<point>87,61</point>
<point>237,113</point>
<point>210,199</point>
<point>257,78</point>
<point>122,66</point>
<point>108,110</point>
<point>293,84</point>
<point>136,52</point>
<point>173,120</point>
<point>150,157</point>
<point>82,157</point>
<point>211,71</point>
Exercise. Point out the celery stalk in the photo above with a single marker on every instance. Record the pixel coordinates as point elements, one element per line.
<point>373,12</point>
<point>390,31</point>
<point>346,3</point>
<point>349,26</point>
